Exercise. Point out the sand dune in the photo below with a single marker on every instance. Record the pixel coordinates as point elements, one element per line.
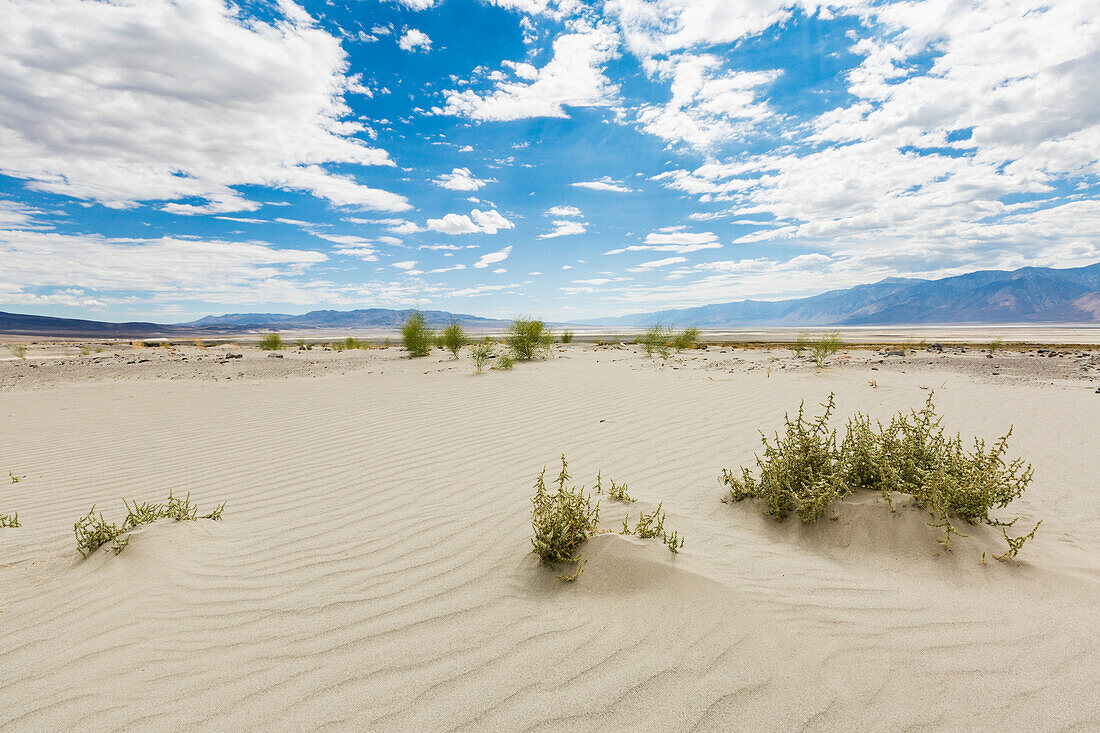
<point>373,569</point>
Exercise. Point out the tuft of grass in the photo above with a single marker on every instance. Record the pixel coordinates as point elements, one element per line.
<point>656,339</point>
<point>18,350</point>
<point>93,531</point>
<point>416,337</point>
<point>995,345</point>
<point>85,350</point>
<point>562,519</point>
<point>453,338</point>
<point>567,336</point>
<point>806,469</point>
<point>9,520</point>
<point>685,339</point>
<point>271,342</point>
<point>528,338</point>
<point>480,354</point>
<point>15,479</point>
<point>825,346</point>
<point>618,492</point>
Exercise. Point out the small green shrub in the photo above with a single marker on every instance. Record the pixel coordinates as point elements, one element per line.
<point>93,531</point>
<point>567,336</point>
<point>271,342</point>
<point>656,339</point>
<point>825,346</point>
<point>685,339</point>
<point>504,361</point>
<point>562,520</point>
<point>527,337</point>
<point>995,345</point>
<point>85,350</point>
<point>453,338</point>
<point>801,343</point>
<point>19,350</point>
<point>805,470</point>
<point>416,337</point>
<point>618,492</point>
<point>480,354</point>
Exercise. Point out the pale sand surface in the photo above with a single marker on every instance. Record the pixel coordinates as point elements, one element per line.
<point>373,568</point>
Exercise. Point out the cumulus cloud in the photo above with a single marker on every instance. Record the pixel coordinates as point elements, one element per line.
<point>413,40</point>
<point>493,257</point>
<point>605,183</point>
<point>564,227</point>
<point>184,101</point>
<point>485,222</point>
<point>574,77</point>
<point>461,179</point>
<point>563,211</point>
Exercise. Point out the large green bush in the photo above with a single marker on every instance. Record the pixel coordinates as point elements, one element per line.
<point>416,336</point>
<point>528,339</point>
<point>453,338</point>
<point>805,469</point>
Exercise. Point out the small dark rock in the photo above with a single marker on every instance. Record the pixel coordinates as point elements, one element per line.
<point>274,356</point>
<point>234,356</point>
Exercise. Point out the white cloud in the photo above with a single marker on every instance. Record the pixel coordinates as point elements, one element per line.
<point>655,264</point>
<point>574,77</point>
<point>405,265</point>
<point>412,40</point>
<point>187,269</point>
<point>461,179</point>
<point>493,257</point>
<point>416,4</point>
<point>563,228</point>
<point>604,184</point>
<point>486,222</point>
<point>183,101</point>
<point>562,211</point>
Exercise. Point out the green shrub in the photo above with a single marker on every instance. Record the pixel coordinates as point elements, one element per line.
<point>480,354</point>
<point>453,338</point>
<point>825,346</point>
<point>527,337</point>
<point>618,492</point>
<point>995,345</point>
<point>801,343</point>
<point>93,531</point>
<point>416,336</point>
<point>656,339</point>
<point>271,342</point>
<point>806,470</point>
<point>504,361</point>
<point>562,520</point>
<point>18,350</point>
<point>685,339</point>
<point>567,336</point>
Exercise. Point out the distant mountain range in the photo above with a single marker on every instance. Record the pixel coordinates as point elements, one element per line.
<point>1028,295</point>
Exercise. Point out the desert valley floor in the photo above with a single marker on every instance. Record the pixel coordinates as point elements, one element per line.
<point>373,569</point>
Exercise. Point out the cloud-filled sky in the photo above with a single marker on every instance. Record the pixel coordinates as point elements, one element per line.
<point>168,159</point>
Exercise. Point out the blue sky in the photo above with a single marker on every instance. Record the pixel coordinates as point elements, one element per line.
<point>167,160</point>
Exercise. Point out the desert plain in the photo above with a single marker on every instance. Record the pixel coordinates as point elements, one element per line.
<point>373,567</point>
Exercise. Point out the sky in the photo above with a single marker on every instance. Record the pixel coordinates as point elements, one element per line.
<point>167,160</point>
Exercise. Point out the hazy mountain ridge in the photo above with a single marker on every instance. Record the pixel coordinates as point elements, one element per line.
<point>1027,295</point>
<point>1030,294</point>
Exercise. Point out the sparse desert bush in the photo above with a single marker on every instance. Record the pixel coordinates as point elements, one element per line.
<point>351,343</point>
<point>453,338</point>
<point>85,350</point>
<point>562,520</point>
<point>825,346</point>
<point>504,361</point>
<point>656,339</point>
<point>18,350</point>
<point>995,345</point>
<point>527,337</point>
<point>93,531</point>
<point>271,342</point>
<point>386,342</point>
<point>685,339</point>
<point>619,492</point>
<point>9,520</point>
<point>15,479</point>
<point>801,343</point>
<point>480,354</point>
<point>806,470</point>
<point>416,337</point>
<point>567,336</point>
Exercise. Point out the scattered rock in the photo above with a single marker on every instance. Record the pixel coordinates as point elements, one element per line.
<point>234,356</point>
<point>895,352</point>
<point>274,356</point>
